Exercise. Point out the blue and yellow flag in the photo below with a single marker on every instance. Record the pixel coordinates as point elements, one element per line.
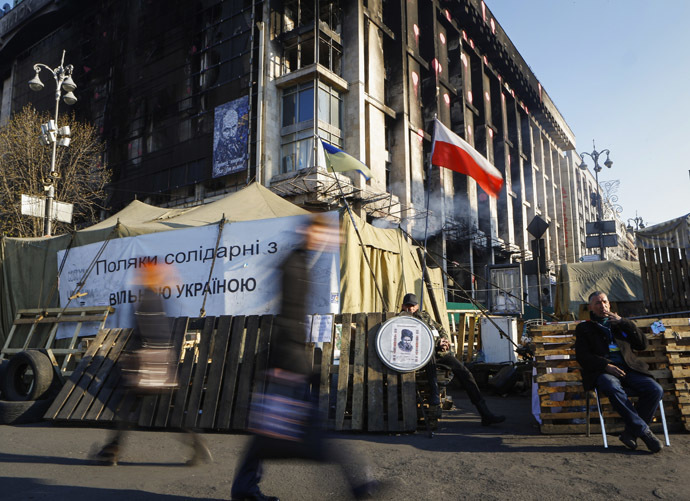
<point>339,161</point>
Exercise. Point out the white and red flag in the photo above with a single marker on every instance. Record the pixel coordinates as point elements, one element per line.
<point>452,152</point>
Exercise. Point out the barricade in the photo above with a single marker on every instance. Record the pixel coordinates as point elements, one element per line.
<point>562,398</point>
<point>221,362</point>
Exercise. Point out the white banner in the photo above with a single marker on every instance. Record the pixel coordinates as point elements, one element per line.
<point>245,279</point>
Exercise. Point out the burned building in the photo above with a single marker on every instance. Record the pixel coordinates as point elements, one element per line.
<point>196,99</point>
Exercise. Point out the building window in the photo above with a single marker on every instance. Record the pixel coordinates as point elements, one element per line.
<point>298,53</point>
<point>330,54</point>
<point>297,151</point>
<point>297,133</point>
<point>330,14</point>
<point>298,104</point>
<point>297,141</point>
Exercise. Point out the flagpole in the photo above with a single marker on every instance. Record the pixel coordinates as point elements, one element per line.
<point>359,236</point>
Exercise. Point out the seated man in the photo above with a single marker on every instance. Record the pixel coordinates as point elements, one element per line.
<point>444,356</point>
<point>604,349</point>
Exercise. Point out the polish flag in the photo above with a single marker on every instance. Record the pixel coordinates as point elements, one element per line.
<point>452,152</point>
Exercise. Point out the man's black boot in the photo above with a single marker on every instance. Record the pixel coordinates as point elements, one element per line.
<point>650,440</point>
<point>487,416</point>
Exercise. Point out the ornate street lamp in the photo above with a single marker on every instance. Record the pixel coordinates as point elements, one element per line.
<point>50,132</point>
<point>639,223</point>
<point>594,155</point>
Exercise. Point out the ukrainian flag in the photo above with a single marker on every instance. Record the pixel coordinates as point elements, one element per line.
<point>339,161</point>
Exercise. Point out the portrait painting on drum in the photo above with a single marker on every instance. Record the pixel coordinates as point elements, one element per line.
<point>405,344</point>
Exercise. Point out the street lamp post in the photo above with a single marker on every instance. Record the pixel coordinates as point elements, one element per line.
<point>50,133</point>
<point>594,155</point>
<point>639,223</point>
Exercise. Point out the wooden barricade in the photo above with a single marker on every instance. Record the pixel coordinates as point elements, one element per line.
<point>678,350</point>
<point>219,374</point>
<point>561,394</point>
<point>463,337</point>
<point>37,328</point>
<point>665,279</point>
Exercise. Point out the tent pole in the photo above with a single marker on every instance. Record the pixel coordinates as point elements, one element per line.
<point>221,225</point>
<point>359,237</point>
<point>426,232</point>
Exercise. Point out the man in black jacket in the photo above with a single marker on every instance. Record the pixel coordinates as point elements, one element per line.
<point>444,356</point>
<point>604,348</point>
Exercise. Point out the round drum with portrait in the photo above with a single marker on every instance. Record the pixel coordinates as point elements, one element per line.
<point>404,343</point>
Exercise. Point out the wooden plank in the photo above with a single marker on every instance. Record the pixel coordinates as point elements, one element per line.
<point>654,287</point>
<point>147,411</point>
<point>60,319</point>
<point>462,335</point>
<point>246,374</point>
<point>263,353</point>
<point>87,375</point>
<point>343,373</point>
<point>358,375</point>
<point>199,375</point>
<point>547,402</point>
<point>99,378</point>
<point>679,283</point>
<point>409,401</point>
<point>325,372</point>
<point>667,282</point>
<point>375,401</point>
<point>644,273</point>
<point>71,383</point>
<point>179,329</point>
<point>115,402</point>
<point>680,373</point>
<point>470,339</point>
<point>215,372</point>
<point>568,388</point>
<point>232,362</point>
<point>686,276</point>
<point>184,377</point>
<point>393,385</point>
<point>99,405</point>
<point>559,376</point>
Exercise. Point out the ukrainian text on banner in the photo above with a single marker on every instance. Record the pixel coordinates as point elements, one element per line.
<point>245,279</point>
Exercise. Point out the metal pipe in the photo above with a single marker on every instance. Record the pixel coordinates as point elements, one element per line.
<point>260,104</point>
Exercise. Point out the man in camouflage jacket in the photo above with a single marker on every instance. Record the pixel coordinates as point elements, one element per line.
<point>444,356</point>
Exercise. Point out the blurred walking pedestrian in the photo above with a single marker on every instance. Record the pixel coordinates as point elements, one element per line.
<point>150,364</point>
<point>285,417</point>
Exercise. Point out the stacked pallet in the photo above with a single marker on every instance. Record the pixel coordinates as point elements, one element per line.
<point>677,336</point>
<point>221,370</point>
<point>562,399</point>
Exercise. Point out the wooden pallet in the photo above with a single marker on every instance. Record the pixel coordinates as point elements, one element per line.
<point>561,394</point>
<point>678,351</point>
<point>37,328</point>
<point>219,374</point>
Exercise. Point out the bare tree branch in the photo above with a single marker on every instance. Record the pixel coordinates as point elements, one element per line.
<point>25,162</point>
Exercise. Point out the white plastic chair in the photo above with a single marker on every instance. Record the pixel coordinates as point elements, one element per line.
<point>603,427</point>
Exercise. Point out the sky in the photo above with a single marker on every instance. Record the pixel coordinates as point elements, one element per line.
<point>618,71</point>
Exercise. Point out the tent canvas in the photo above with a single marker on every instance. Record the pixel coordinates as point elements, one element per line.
<point>620,280</point>
<point>29,266</point>
<point>674,234</point>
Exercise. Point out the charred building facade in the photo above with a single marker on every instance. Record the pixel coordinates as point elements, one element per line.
<point>196,99</point>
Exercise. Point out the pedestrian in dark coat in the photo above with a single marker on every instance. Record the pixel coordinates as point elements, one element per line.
<point>285,418</point>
